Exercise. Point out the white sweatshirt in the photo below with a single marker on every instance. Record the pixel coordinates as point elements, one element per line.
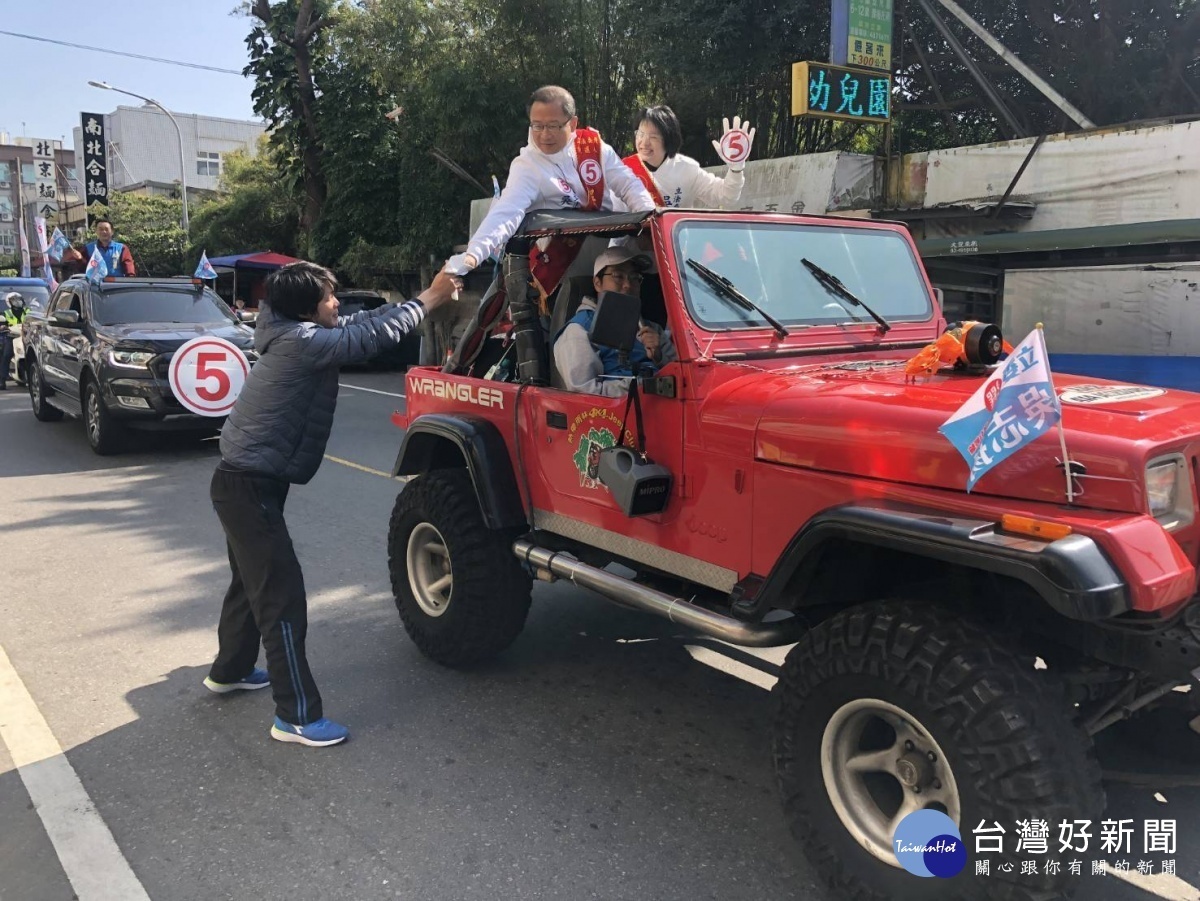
<point>683,183</point>
<point>538,181</point>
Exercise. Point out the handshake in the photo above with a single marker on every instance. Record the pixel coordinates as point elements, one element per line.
<point>445,287</point>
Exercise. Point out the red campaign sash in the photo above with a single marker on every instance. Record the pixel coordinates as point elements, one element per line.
<point>548,266</point>
<point>589,166</point>
<point>635,163</point>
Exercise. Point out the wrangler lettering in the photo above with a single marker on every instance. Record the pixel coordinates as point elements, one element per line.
<point>467,394</point>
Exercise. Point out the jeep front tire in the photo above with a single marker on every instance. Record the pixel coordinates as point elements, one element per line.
<point>462,595</point>
<point>894,707</point>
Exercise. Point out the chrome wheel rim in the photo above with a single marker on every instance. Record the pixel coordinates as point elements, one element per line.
<point>35,387</point>
<point>430,575</point>
<point>879,765</point>
<point>93,416</point>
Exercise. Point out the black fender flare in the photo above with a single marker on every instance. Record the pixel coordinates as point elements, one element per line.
<point>1072,575</point>
<point>429,444</point>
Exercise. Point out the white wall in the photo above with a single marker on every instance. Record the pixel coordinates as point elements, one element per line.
<point>1104,178</point>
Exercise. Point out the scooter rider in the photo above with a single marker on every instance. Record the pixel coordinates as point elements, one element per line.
<point>10,327</point>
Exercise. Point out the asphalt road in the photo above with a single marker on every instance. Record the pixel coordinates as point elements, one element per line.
<point>598,758</point>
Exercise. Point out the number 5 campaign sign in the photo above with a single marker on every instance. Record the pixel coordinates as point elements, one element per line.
<point>208,374</point>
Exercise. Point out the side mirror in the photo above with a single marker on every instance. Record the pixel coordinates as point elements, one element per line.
<point>67,318</point>
<point>616,322</point>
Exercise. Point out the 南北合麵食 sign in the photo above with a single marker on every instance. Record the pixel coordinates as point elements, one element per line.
<point>95,159</point>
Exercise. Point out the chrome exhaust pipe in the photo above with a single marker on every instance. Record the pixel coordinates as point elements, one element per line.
<point>640,597</point>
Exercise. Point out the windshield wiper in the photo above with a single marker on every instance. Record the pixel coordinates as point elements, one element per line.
<point>834,284</point>
<point>725,288</point>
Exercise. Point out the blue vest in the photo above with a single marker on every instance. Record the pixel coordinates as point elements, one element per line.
<point>609,358</point>
<point>112,256</point>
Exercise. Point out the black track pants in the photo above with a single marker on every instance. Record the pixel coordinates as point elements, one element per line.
<point>266,599</point>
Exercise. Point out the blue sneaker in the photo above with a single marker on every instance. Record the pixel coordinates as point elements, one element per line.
<point>258,678</point>
<point>320,734</point>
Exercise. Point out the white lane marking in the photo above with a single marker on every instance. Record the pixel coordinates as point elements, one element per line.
<point>359,466</point>
<point>719,661</point>
<point>770,655</point>
<point>1170,888</point>
<point>86,848</point>
<point>371,390</point>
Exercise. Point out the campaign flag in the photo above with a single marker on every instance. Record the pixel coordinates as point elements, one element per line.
<point>205,269</point>
<point>24,239</point>
<point>39,225</point>
<point>58,244</point>
<point>1014,407</point>
<point>97,269</point>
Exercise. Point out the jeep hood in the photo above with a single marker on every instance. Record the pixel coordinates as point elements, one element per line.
<point>863,419</point>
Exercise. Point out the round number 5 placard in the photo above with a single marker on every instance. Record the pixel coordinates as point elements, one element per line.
<point>208,374</point>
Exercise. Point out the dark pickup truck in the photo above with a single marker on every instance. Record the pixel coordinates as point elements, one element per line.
<point>101,352</point>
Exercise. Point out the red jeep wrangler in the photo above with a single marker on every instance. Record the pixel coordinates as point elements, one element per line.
<point>786,483</point>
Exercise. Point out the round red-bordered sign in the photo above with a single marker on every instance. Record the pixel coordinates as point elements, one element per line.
<point>208,374</point>
<point>735,146</point>
<point>590,172</point>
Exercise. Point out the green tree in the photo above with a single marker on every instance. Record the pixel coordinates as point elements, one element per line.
<point>287,55</point>
<point>150,226</point>
<point>371,99</point>
<point>257,208</point>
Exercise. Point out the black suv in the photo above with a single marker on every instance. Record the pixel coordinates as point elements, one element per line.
<point>101,351</point>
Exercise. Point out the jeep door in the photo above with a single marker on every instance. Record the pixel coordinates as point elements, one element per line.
<point>567,431</point>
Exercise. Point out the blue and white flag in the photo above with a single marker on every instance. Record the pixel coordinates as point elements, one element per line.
<point>205,269</point>
<point>97,269</point>
<point>39,226</point>
<point>58,244</point>
<point>1012,409</point>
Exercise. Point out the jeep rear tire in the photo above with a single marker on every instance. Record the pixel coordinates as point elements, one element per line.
<point>887,698</point>
<point>42,410</point>
<point>462,595</point>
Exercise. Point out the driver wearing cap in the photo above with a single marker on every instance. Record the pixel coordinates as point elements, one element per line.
<point>589,369</point>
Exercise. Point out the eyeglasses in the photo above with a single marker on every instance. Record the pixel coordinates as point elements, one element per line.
<point>648,137</point>
<point>631,278</point>
<point>539,127</point>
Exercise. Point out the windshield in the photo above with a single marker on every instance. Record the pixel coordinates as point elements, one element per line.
<point>123,307</point>
<point>35,296</point>
<point>763,260</point>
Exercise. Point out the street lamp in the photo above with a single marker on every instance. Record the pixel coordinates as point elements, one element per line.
<point>103,85</point>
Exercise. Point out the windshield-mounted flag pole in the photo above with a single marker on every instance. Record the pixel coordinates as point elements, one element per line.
<point>1062,433</point>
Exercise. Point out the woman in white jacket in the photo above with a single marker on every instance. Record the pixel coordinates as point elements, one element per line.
<point>675,180</point>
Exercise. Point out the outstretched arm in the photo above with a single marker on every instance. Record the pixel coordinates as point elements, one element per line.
<point>518,197</point>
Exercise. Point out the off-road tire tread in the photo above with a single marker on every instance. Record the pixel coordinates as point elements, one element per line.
<point>1027,754</point>
<point>491,591</point>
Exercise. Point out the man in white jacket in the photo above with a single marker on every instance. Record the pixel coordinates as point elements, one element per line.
<point>675,180</point>
<point>562,167</point>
